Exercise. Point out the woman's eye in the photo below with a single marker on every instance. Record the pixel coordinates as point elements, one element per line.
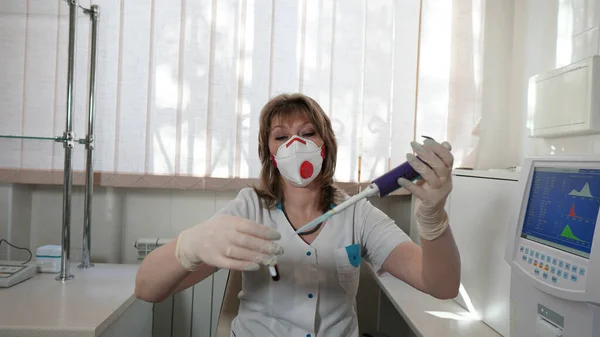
<point>280,138</point>
<point>308,134</point>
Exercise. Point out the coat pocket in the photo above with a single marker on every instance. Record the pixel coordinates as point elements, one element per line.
<point>347,261</point>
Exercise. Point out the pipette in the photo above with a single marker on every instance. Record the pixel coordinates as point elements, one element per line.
<point>381,186</point>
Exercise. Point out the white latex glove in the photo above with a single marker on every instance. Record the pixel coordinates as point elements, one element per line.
<point>435,187</point>
<point>228,242</point>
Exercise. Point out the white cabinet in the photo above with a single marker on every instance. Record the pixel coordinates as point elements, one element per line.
<point>480,208</point>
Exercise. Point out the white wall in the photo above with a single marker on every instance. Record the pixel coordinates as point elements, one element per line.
<point>539,36</point>
<point>15,214</point>
<point>549,35</point>
<point>119,217</point>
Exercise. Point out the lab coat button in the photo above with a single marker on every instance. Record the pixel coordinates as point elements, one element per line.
<point>310,295</point>
<point>308,253</point>
<point>307,335</point>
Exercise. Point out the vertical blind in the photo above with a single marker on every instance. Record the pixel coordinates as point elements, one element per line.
<point>180,83</point>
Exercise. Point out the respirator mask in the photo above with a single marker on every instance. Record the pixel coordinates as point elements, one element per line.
<point>299,160</point>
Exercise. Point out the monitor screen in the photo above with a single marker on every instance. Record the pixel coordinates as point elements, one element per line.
<point>563,208</point>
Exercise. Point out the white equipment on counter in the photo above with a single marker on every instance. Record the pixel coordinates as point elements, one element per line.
<point>553,249</point>
<point>48,258</point>
<point>12,273</point>
<point>145,245</point>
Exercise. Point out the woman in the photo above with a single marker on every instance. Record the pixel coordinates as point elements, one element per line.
<point>319,269</point>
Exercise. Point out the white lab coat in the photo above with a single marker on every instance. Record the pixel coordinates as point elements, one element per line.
<point>315,295</point>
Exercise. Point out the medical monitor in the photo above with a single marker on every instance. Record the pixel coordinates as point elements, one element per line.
<point>553,248</point>
<point>552,240</point>
<point>562,208</point>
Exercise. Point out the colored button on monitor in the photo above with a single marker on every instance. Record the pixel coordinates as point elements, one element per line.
<point>567,266</point>
<point>566,276</point>
<point>554,279</point>
<point>554,261</point>
<point>536,271</point>
<point>573,277</point>
<point>526,250</point>
<point>545,275</point>
<point>574,269</point>
<point>581,272</point>
<point>537,255</point>
<point>561,264</point>
<point>553,270</point>
<point>521,249</point>
<point>559,273</point>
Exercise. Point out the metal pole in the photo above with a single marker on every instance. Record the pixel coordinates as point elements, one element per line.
<point>68,145</point>
<point>94,13</point>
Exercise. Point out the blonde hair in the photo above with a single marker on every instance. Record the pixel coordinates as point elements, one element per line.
<point>285,107</point>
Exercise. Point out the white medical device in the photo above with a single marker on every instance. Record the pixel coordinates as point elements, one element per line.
<point>553,249</point>
<point>12,273</point>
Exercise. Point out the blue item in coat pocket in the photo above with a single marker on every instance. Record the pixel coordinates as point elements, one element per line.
<point>353,252</point>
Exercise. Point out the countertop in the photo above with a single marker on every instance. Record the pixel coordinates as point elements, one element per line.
<point>428,316</point>
<point>83,306</point>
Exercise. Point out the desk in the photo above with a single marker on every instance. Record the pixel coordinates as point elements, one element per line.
<point>98,302</point>
<point>414,306</point>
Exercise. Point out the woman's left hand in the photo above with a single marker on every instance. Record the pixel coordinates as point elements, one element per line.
<point>437,182</point>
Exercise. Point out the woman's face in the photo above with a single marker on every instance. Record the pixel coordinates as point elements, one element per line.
<point>280,132</point>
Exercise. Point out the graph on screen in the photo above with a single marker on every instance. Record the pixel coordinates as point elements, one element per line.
<point>584,192</point>
<point>563,209</point>
<point>568,233</point>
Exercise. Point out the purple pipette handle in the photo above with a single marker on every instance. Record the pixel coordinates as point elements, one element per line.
<point>388,182</point>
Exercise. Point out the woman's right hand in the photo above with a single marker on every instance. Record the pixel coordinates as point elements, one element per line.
<point>228,242</point>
